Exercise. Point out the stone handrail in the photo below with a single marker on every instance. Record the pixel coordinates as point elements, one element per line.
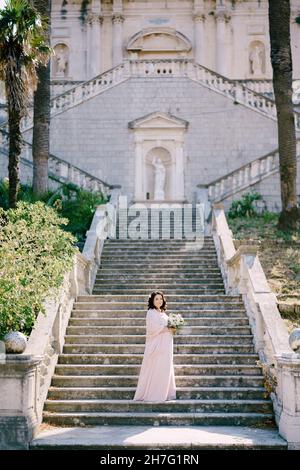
<point>25,378</point>
<point>47,338</point>
<point>58,169</point>
<point>245,176</point>
<point>236,91</point>
<point>102,226</point>
<point>259,86</point>
<point>243,275</point>
<point>262,85</point>
<point>233,89</point>
<point>82,92</point>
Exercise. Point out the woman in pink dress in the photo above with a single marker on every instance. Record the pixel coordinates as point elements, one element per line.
<point>156,380</point>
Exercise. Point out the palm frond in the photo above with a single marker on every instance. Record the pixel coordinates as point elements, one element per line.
<point>23,47</point>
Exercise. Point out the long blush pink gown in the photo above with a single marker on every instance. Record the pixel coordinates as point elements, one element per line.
<point>156,380</point>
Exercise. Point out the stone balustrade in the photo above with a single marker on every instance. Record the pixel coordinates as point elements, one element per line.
<point>60,170</point>
<point>259,86</point>
<point>234,89</point>
<point>245,176</point>
<point>243,274</point>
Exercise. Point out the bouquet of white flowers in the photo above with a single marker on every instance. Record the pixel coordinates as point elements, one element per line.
<point>175,320</point>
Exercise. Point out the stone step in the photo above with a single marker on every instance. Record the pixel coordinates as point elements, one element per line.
<point>148,265</point>
<point>136,437</point>
<point>183,393</point>
<point>140,257</point>
<point>100,289</point>
<point>232,299</point>
<point>179,338</point>
<point>172,250</point>
<point>181,381</point>
<point>171,281</point>
<point>206,238</point>
<point>157,419</point>
<point>163,235</point>
<point>140,321</point>
<point>124,359</point>
<point>193,370</point>
<point>141,330</point>
<point>174,406</point>
<point>162,270</point>
<point>133,313</point>
<point>180,307</point>
<point>153,244</point>
<point>173,277</point>
<point>109,348</point>
<point>166,251</point>
<point>116,289</point>
<point>140,286</point>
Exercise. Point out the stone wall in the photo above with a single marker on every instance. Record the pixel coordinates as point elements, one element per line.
<point>221,136</point>
<point>222,36</point>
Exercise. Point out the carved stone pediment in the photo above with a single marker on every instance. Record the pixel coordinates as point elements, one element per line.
<point>158,120</point>
<point>159,40</point>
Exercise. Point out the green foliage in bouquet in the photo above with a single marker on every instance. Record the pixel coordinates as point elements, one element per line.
<point>175,320</point>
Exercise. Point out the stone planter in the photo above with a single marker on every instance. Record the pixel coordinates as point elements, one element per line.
<point>18,400</point>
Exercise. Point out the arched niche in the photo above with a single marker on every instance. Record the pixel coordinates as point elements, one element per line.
<point>159,135</point>
<point>156,43</point>
<point>60,60</point>
<point>257,59</point>
<point>168,163</point>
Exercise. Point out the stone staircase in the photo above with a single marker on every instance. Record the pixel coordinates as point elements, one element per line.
<point>218,381</point>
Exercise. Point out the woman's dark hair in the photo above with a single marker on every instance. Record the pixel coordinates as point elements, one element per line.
<point>151,300</point>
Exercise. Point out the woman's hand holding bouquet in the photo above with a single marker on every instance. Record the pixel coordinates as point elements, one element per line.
<point>175,322</point>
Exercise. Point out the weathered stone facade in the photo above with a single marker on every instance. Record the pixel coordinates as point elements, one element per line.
<point>228,36</point>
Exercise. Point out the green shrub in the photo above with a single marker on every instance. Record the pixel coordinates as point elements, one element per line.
<point>244,206</point>
<point>35,253</point>
<point>78,206</point>
<point>71,202</point>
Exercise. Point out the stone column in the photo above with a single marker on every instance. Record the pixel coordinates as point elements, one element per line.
<point>199,37</point>
<point>19,400</point>
<point>179,171</point>
<point>288,398</point>
<point>95,44</point>
<point>117,52</point>
<point>221,52</point>
<point>139,168</point>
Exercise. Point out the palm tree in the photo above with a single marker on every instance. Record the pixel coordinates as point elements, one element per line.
<point>41,116</point>
<point>281,59</point>
<point>22,49</point>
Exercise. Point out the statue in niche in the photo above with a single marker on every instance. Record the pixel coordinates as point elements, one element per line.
<point>256,60</point>
<point>61,61</point>
<point>159,181</point>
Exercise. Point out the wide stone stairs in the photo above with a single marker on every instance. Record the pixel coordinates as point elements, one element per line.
<point>217,378</point>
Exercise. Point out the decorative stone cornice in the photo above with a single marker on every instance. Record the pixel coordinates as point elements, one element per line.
<point>117,18</point>
<point>199,17</point>
<point>94,18</point>
<point>222,16</point>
